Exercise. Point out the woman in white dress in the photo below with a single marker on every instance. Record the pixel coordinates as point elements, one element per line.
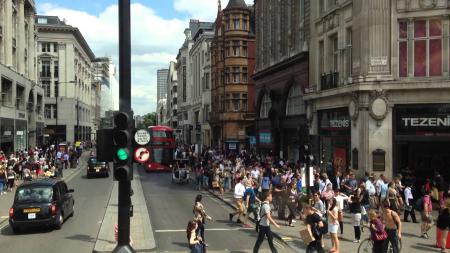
<point>333,225</point>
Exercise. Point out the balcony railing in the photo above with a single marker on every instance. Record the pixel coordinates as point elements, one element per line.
<point>329,81</point>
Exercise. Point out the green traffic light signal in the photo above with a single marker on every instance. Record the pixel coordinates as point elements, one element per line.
<point>122,154</point>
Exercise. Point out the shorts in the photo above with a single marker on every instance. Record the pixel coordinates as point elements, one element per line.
<point>333,228</point>
<point>428,218</point>
<point>356,219</point>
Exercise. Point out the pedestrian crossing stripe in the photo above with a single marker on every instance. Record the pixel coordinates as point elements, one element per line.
<point>279,245</point>
<point>287,238</point>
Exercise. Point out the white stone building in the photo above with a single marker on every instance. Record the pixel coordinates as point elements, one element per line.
<point>172,96</point>
<point>183,68</point>
<point>200,76</point>
<point>379,85</point>
<point>102,76</point>
<point>65,63</point>
<point>21,100</point>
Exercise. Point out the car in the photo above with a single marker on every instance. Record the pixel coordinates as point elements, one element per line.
<point>41,203</point>
<point>95,167</point>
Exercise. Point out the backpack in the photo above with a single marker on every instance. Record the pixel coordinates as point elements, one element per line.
<point>419,204</point>
<point>265,184</point>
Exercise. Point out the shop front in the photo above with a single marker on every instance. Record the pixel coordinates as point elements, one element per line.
<point>264,142</point>
<point>7,135</point>
<point>422,139</point>
<point>335,139</point>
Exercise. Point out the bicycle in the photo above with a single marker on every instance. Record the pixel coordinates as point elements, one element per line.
<point>366,246</point>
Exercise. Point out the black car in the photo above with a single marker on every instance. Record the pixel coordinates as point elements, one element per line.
<point>95,167</point>
<point>46,202</point>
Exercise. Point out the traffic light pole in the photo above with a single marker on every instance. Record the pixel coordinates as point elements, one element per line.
<point>123,243</point>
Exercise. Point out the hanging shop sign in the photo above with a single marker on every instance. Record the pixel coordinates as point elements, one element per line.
<point>423,119</point>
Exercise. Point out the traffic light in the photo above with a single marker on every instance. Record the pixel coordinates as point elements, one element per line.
<point>123,165</point>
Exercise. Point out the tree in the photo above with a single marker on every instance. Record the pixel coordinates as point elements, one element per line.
<point>149,120</point>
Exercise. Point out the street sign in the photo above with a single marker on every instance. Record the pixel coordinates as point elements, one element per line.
<point>141,155</point>
<point>142,137</point>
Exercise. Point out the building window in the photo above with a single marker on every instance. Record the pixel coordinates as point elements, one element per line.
<point>244,75</point>
<point>348,53</point>
<point>266,104</point>
<point>236,22</point>
<point>48,111</point>
<point>236,74</point>
<point>426,46</point>
<point>46,86</point>
<point>334,53</point>
<point>294,103</point>
<point>236,102</point>
<point>321,56</point>
<point>55,112</point>
<point>236,48</point>
<point>207,81</point>
<point>55,69</point>
<point>184,84</point>
<point>45,69</point>
<point>55,47</point>
<point>244,24</point>
<point>45,47</point>
<point>244,48</point>
<point>244,102</point>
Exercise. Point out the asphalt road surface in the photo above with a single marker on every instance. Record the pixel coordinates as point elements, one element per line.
<point>78,233</point>
<point>170,209</point>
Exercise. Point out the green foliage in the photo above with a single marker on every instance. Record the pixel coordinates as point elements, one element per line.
<point>149,120</point>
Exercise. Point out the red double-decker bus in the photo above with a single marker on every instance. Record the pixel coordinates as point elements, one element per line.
<point>162,147</point>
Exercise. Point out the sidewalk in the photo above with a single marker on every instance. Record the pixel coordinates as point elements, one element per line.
<point>7,200</point>
<point>141,228</point>
<point>290,235</point>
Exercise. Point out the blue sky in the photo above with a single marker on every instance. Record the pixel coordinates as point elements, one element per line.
<point>156,34</point>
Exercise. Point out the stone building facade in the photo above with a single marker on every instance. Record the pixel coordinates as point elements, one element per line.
<point>172,96</point>
<point>22,99</point>
<point>232,63</point>
<point>379,75</point>
<point>282,36</point>
<point>65,63</point>
<point>200,75</point>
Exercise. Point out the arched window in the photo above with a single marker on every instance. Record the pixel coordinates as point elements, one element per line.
<point>294,103</point>
<point>266,104</point>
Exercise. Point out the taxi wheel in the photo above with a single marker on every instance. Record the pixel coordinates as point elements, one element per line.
<point>59,221</point>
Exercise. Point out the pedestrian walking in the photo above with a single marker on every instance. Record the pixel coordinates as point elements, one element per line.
<point>239,191</point>
<point>340,198</point>
<point>393,226</point>
<point>200,216</point>
<point>443,226</point>
<point>195,241</point>
<point>264,224</point>
<point>409,204</point>
<point>3,179</point>
<point>377,232</point>
<point>291,195</point>
<point>355,210</point>
<point>333,225</point>
<point>11,178</point>
<point>427,217</point>
<point>314,225</point>
<point>250,203</point>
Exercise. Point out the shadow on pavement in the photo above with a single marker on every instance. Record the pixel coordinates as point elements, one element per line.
<point>83,238</point>
<point>425,247</point>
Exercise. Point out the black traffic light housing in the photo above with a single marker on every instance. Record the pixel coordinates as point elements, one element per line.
<point>122,146</point>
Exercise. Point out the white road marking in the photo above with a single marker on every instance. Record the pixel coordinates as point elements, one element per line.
<point>4,217</point>
<point>209,229</point>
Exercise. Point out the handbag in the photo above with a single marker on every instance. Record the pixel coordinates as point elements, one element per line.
<point>381,236</point>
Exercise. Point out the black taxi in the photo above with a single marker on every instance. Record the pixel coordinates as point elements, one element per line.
<point>45,202</point>
<point>95,167</point>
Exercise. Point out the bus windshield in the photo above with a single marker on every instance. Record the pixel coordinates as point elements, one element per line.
<point>162,134</point>
<point>162,156</point>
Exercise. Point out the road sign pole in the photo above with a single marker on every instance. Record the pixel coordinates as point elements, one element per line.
<point>124,212</point>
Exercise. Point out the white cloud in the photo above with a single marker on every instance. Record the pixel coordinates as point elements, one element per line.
<point>205,10</point>
<point>155,42</point>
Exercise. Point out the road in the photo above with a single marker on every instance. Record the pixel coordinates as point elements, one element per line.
<point>170,209</point>
<point>78,233</point>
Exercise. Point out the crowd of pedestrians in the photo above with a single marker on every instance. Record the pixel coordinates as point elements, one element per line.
<point>372,201</point>
<point>36,162</point>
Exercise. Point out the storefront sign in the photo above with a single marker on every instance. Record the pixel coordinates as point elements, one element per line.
<point>423,119</point>
<point>334,120</point>
<point>19,133</point>
<point>7,133</point>
<point>232,146</point>
<point>265,138</point>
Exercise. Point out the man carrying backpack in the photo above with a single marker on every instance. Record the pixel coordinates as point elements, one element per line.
<point>264,224</point>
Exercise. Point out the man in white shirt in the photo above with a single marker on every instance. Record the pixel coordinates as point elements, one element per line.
<point>409,201</point>
<point>255,173</point>
<point>239,191</point>
<point>370,187</point>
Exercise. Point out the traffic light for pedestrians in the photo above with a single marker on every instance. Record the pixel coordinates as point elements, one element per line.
<point>123,161</point>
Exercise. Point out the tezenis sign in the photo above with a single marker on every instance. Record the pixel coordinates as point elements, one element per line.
<point>426,122</point>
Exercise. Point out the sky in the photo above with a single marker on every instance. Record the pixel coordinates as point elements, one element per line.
<point>156,34</point>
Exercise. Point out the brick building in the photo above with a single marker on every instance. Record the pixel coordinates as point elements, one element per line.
<point>233,60</point>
